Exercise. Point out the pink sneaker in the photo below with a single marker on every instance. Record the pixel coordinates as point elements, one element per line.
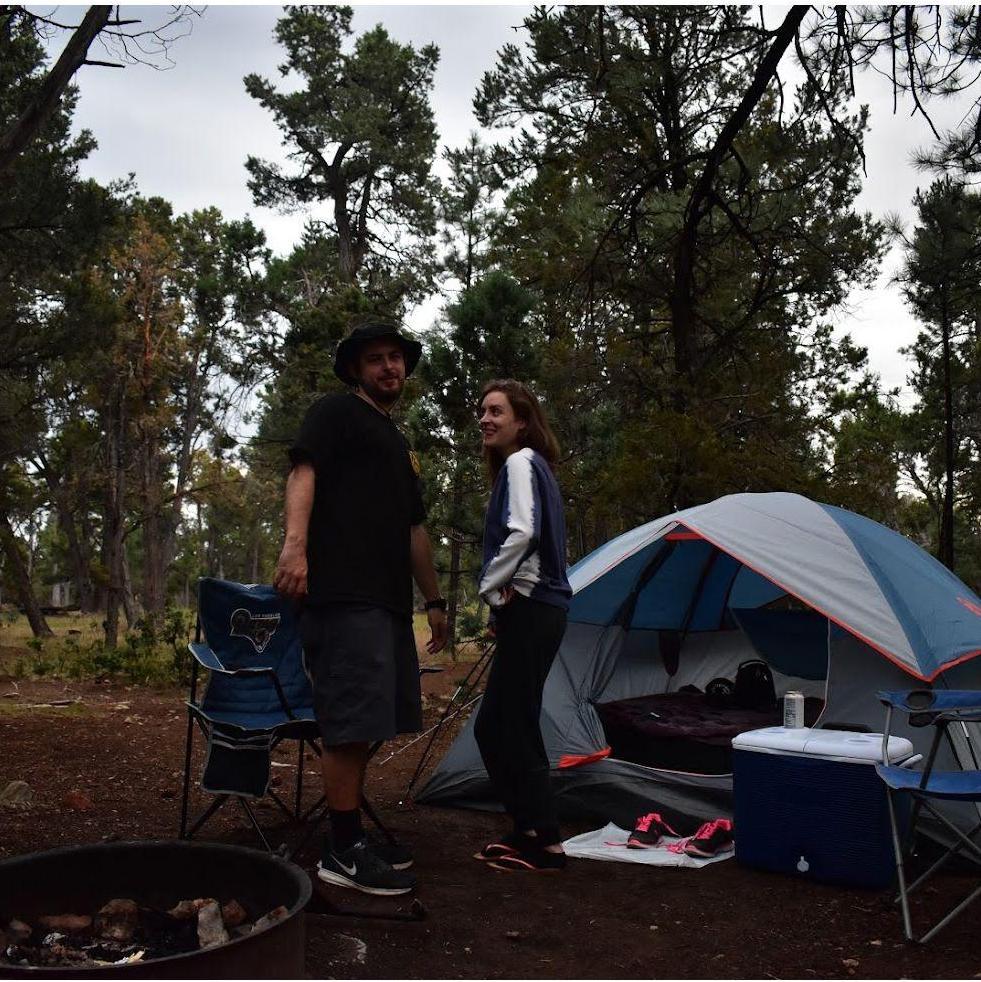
<point>648,831</point>
<point>711,839</point>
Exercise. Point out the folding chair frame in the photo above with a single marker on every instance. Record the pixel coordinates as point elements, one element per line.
<point>313,818</point>
<point>196,715</point>
<point>903,846</point>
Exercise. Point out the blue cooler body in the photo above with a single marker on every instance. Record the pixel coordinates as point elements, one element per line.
<point>809,803</point>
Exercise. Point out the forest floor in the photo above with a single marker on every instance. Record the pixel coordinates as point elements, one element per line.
<point>106,765</point>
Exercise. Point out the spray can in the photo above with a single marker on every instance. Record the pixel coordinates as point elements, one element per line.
<point>793,710</point>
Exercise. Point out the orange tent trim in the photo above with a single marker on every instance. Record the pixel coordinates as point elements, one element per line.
<point>577,760</point>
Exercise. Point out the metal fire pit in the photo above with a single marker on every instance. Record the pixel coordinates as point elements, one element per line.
<point>81,879</point>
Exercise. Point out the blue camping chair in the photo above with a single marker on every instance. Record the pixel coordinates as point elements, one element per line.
<point>938,708</point>
<point>257,695</point>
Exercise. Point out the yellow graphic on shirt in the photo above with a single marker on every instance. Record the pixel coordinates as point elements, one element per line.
<point>414,460</point>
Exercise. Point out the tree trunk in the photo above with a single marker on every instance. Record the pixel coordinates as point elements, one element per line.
<point>347,265</point>
<point>153,546</point>
<point>453,593</point>
<point>116,422</point>
<point>255,554</point>
<point>131,607</point>
<point>78,545</point>
<point>22,579</point>
<point>700,203</point>
<point>172,517</point>
<point>87,537</point>
<point>78,552</point>
<point>26,127</point>
<point>947,509</point>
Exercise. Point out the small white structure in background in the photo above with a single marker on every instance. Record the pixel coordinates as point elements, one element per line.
<point>61,594</point>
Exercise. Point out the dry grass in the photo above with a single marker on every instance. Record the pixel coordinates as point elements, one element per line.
<point>15,631</point>
<point>76,650</point>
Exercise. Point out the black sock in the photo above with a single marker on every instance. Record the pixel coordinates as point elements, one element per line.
<point>345,827</point>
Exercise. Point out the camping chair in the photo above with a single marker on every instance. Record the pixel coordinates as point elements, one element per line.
<point>939,708</point>
<point>257,696</point>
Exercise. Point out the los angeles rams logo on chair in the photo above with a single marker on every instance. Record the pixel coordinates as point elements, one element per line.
<point>258,628</point>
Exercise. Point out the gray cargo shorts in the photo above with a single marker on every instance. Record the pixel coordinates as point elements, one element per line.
<point>364,669</point>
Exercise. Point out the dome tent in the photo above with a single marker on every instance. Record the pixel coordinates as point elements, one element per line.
<point>686,598</point>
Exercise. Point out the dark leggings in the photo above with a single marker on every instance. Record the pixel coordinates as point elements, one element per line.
<point>507,727</point>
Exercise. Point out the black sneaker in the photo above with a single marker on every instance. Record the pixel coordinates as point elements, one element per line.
<point>711,839</point>
<point>648,831</point>
<point>359,868</point>
<point>397,855</point>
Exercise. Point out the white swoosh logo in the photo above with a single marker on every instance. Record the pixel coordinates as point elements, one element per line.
<point>350,870</point>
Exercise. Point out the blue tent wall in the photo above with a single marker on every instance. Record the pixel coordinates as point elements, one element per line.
<point>794,642</point>
<point>685,574</point>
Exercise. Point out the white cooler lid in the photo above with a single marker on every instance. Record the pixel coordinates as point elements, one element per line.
<point>858,748</point>
<point>773,739</point>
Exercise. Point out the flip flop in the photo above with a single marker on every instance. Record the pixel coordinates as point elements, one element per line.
<point>530,861</point>
<point>494,850</point>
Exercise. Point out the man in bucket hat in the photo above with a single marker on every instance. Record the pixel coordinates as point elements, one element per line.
<point>355,540</point>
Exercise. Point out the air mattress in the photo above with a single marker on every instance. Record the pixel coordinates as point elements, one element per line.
<point>680,731</point>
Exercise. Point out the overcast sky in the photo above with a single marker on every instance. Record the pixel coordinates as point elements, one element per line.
<point>185,132</point>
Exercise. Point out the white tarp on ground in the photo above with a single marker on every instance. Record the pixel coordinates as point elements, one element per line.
<point>610,844</point>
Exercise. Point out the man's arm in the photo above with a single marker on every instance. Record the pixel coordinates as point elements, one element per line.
<point>291,570</point>
<point>424,573</point>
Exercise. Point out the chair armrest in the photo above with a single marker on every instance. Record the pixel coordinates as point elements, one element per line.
<point>950,702</point>
<point>206,657</point>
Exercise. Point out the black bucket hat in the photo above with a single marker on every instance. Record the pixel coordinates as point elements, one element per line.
<point>348,349</point>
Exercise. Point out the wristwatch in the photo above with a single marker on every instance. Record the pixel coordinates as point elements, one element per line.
<point>438,603</point>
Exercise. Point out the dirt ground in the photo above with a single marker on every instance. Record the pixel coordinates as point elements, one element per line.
<point>108,767</point>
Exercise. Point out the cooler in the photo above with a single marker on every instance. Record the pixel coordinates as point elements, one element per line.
<point>808,802</point>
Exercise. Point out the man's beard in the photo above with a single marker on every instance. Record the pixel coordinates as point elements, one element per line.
<point>384,397</point>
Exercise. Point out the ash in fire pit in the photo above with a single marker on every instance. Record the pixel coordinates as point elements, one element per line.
<point>122,932</point>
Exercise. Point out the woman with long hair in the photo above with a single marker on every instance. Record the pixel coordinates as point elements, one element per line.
<point>523,580</point>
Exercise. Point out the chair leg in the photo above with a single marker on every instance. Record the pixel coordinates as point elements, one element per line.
<point>321,802</point>
<point>943,860</point>
<point>283,807</point>
<point>312,825</point>
<point>961,840</point>
<point>211,809</point>
<point>900,872</point>
<point>946,920</point>
<point>255,825</point>
<point>376,821</point>
<point>959,836</point>
<point>299,777</point>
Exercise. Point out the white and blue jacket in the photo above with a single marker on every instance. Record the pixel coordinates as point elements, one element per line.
<point>524,534</point>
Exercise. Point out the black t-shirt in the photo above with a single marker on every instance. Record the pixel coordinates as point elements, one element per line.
<point>367,495</point>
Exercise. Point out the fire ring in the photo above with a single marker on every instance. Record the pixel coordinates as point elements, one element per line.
<point>160,875</point>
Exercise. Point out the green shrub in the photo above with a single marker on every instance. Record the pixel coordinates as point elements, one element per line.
<point>470,622</point>
<point>177,626</point>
